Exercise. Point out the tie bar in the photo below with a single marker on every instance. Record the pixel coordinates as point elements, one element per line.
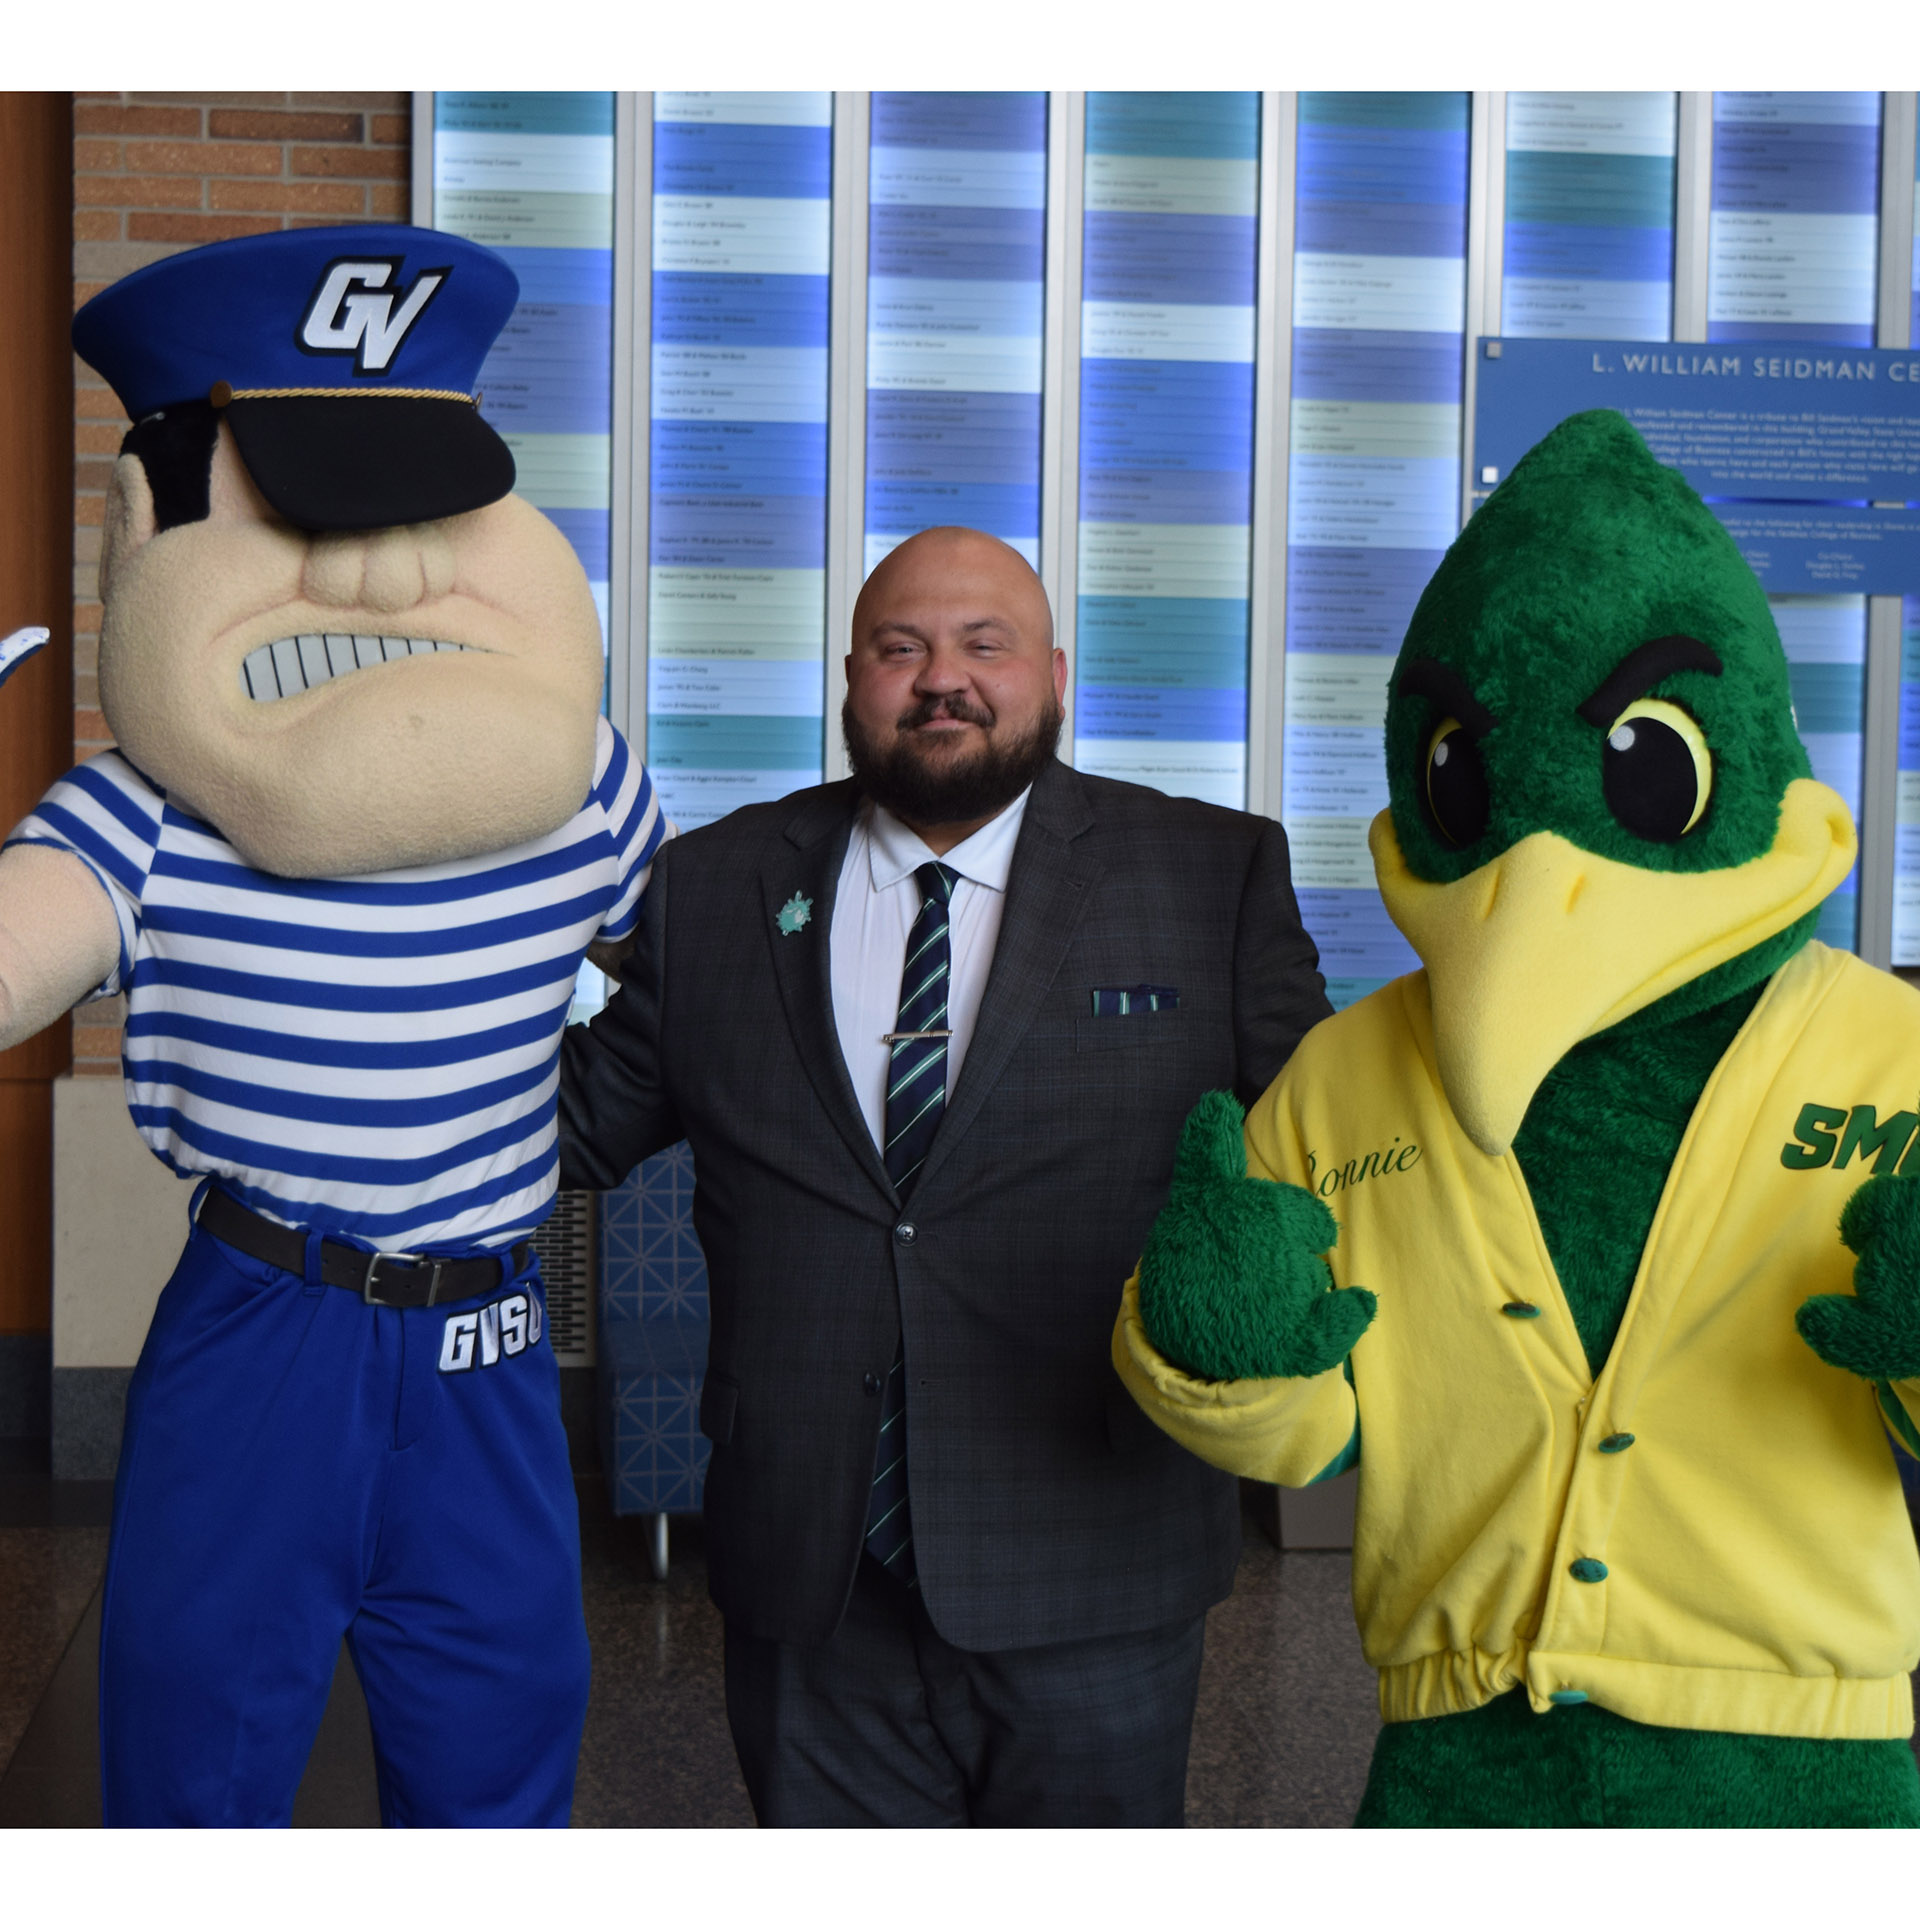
<point>929,1033</point>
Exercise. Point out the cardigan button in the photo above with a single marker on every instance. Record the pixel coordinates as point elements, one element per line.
<point>1521,1310</point>
<point>1590,1571</point>
<point>1568,1697</point>
<point>1616,1443</point>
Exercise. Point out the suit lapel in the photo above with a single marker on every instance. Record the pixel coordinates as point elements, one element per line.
<point>805,862</point>
<point>1048,888</point>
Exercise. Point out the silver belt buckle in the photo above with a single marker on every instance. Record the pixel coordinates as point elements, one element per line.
<point>411,1261</point>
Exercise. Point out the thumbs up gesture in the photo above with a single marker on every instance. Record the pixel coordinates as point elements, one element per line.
<point>1233,1283</point>
<point>1875,1330</point>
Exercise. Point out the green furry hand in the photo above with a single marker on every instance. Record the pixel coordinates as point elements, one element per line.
<point>1875,1330</point>
<point>1232,1283</point>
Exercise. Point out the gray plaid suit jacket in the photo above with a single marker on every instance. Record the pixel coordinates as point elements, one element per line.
<point>1046,1507</point>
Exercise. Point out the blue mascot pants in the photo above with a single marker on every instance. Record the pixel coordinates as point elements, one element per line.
<point>299,1465</point>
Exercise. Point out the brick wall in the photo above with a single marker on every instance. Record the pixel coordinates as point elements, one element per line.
<point>154,173</point>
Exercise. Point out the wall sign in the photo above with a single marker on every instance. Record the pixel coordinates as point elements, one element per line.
<point>1752,421</point>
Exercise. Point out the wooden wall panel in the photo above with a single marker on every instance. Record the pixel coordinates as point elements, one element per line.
<point>26,1206</point>
<point>36,588</point>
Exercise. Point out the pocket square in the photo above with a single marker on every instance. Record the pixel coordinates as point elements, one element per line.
<point>1119,1000</point>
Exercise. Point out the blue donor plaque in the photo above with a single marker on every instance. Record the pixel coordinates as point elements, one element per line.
<point>1797,548</point>
<point>1807,453</point>
<point>1741,419</point>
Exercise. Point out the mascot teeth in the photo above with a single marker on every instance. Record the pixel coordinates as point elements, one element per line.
<point>286,667</point>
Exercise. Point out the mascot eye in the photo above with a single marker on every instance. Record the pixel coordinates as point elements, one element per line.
<point>1455,784</point>
<point>1655,770</point>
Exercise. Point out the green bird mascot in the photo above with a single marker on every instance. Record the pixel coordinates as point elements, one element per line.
<point>1584,1240</point>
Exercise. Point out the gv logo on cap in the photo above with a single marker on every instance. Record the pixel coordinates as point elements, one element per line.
<point>352,311</point>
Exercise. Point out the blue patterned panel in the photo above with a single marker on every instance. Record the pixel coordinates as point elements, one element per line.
<point>673,1270</point>
<point>1793,250</point>
<point>1166,440</point>
<point>1589,226</point>
<point>651,1266</point>
<point>1379,308</point>
<point>619,1290</point>
<point>531,175</point>
<point>737,585</point>
<point>653,1451</point>
<point>956,261</point>
<point>1794,255</point>
<point>653,1339</point>
<point>1906,855</point>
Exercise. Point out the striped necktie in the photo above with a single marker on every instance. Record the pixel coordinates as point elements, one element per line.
<point>916,1098</point>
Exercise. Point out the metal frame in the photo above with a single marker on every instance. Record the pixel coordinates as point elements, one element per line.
<point>421,161</point>
<point>1486,247</point>
<point>1493,244</point>
<point>627,585</point>
<point>1897,131</point>
<point>1692,214</point>
<point>846,400</point>
<point>1060,381</point>
<point>1879,780</point>
<point>1272,443</point>
<point>1880,723</point>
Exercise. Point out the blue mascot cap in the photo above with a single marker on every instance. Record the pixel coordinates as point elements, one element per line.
<point>345,360</point>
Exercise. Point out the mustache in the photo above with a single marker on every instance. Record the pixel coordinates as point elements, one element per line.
<point>943,706</point>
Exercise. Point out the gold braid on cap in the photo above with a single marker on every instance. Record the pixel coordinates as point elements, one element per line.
<point>221,395</point>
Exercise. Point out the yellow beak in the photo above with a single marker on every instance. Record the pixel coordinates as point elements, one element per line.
<point>1549,944</point>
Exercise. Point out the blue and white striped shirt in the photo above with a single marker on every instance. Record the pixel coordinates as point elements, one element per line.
<point>375,1057</point>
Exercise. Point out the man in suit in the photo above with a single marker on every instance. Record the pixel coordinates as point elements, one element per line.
<point>932,1032</point>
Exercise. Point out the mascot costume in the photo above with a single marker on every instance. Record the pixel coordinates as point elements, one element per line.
<point>362,822</point>
<point>1587,1240</point>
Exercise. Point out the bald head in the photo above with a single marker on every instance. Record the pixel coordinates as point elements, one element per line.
<point>953,565</point>
<point>954,685</point>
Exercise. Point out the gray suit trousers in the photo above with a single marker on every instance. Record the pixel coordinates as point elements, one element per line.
<point>889,1725</point>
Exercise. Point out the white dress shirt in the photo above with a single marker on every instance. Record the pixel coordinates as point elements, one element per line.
<point>873,911</point>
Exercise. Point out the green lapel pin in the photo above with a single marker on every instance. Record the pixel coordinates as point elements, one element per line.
<point>795,914</point>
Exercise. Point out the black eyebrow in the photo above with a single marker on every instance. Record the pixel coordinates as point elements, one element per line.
<point>1447,690</point>
<point>1646,666</point>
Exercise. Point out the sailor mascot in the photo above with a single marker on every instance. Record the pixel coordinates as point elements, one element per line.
<point>362,821</point>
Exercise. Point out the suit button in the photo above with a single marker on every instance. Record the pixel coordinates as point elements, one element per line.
<point>870,1384</point>
<point>905,1234</point>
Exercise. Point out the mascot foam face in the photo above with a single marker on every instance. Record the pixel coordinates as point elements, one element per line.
<point>1531,1234</point>
<point>1562,848</point>
<point>362,820</point>
<point>477,730</point>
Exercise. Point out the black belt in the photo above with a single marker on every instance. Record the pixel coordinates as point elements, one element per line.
<point>380,1279</point>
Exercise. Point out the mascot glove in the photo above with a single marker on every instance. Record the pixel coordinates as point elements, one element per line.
<point>19,646</point>
<point>1875,1330</point>
<point>1233,1285</point>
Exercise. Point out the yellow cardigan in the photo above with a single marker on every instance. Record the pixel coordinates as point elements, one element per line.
<point>1711,1534</point>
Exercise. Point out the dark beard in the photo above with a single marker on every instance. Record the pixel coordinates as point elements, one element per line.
<point>918,789</point>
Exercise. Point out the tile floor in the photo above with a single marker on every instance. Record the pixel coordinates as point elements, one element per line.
<point>1282,1736</point>
<point>1285,1723</point>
